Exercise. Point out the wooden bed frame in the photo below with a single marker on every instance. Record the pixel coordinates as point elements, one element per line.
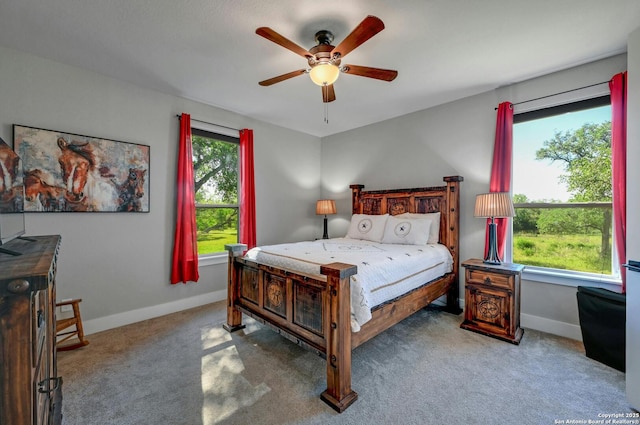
<point>315,313</point>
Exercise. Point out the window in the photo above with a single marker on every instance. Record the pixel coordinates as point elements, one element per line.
<point>215,168</point>
<point>562,189</point>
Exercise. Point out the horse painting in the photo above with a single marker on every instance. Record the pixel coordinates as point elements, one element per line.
<point>72,172</point>
<point>131,191</point>
<point>82,181</point>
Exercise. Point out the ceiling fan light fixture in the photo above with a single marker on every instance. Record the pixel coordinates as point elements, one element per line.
<point>324,74</point>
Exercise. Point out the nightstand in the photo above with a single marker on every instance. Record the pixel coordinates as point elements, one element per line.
<point>492,299</point>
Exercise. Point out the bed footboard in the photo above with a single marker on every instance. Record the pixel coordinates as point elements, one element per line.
<point>313,313</point>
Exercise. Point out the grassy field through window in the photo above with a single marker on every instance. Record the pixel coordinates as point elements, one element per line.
<point>567,252</point>
<point>214,241</point>
<point>562,187</point>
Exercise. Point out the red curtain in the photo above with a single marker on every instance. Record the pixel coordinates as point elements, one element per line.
<point>501,169</point>
<point>248,190</point>
<point>618,87</point>
<point>185,246</point>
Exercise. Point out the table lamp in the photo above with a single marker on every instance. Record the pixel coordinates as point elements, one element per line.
<point>325,206</point>
<point>492,205</point>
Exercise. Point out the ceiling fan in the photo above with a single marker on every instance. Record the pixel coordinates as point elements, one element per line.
<point>324,58</point>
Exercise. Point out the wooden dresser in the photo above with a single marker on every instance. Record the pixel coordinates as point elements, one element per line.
<point>492,299</point>
<point>30,390</point>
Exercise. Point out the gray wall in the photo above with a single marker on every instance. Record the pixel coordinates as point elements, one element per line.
<point>120,263</point>
<point>457,139</point>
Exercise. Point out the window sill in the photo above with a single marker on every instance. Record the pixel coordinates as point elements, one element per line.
<point>566,278</point>
<point>213,259</point>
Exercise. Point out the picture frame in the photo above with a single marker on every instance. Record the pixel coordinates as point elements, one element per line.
<point>67,172</point>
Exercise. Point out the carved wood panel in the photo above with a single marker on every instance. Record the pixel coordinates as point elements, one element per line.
<point>249,284</point>
<point>397,206</point>
<point>428,204</point>
<point>307,307</point>
<point>489,309</point>
<point>275,294</point>
<point>372,206</point>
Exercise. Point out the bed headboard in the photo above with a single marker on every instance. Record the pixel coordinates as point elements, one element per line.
<point>445,199</point>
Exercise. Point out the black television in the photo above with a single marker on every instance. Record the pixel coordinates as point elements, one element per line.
<point>12,222</point>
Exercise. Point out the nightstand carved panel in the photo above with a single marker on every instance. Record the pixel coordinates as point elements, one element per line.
<point>492,299</point>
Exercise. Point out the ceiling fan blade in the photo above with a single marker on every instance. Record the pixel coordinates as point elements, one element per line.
<point>282,77</point>
<point>328,93</point>
<point>369,27</point>
<point>271,35</point>
<point>365,71</point>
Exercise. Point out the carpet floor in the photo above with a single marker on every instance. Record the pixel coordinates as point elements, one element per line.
<point>184,369</point>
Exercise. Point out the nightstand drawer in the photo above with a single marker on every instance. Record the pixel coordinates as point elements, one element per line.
<point>484,278</point>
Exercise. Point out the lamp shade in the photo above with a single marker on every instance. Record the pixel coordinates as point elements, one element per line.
<point>494,204</point>
<point>324,74</point>
<point>326,206</point>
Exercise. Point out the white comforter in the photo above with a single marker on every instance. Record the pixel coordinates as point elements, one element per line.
<point>385,271</point>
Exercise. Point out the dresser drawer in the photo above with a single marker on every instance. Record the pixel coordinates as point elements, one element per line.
<point>485,278</point>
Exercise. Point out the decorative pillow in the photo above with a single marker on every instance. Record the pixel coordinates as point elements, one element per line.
<point>367,227</point>
<point>406,231</point>
<point>434,231</point>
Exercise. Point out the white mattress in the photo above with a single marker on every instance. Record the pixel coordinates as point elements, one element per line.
<point>385,271</point>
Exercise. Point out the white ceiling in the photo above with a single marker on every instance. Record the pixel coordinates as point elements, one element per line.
<point>207,50</point>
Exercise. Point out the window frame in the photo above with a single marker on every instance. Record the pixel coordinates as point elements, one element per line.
<point>571,278</point>
<point>223,134</point>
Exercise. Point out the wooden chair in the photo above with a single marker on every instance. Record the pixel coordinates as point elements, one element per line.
<point>66,323</point>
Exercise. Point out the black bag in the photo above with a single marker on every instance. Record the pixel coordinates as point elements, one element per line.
<point>602,316</point>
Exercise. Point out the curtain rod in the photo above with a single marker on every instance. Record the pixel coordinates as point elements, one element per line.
<point>210,123</point>
<point>556,94</point>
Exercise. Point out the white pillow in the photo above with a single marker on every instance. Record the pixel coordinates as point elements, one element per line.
<point>367,227</point>
<point>406,231</point>
<point>434,231</point>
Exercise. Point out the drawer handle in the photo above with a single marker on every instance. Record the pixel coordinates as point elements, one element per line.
<point>44,387</point>
<point>487,280</point>
<point>18,286</point>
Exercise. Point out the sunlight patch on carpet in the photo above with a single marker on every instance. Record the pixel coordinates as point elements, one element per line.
<point>213,336</point>
<point>224,389</point>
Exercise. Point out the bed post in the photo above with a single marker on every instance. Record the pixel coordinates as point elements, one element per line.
<point>234,315</point>
<point>338,394</point>
<point>356,208</point>
<point>453,233</point>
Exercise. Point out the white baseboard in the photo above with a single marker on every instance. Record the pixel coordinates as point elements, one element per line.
<point>126,318</point>
<point>555,327</point>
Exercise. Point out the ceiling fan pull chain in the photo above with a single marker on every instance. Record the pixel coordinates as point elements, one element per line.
<point>325,88</point>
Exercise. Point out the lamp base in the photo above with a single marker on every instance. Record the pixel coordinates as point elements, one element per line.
<point>326,233</point>
<point>492,256</point>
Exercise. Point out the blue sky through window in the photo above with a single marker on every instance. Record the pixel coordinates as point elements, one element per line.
<point>539,180</point>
